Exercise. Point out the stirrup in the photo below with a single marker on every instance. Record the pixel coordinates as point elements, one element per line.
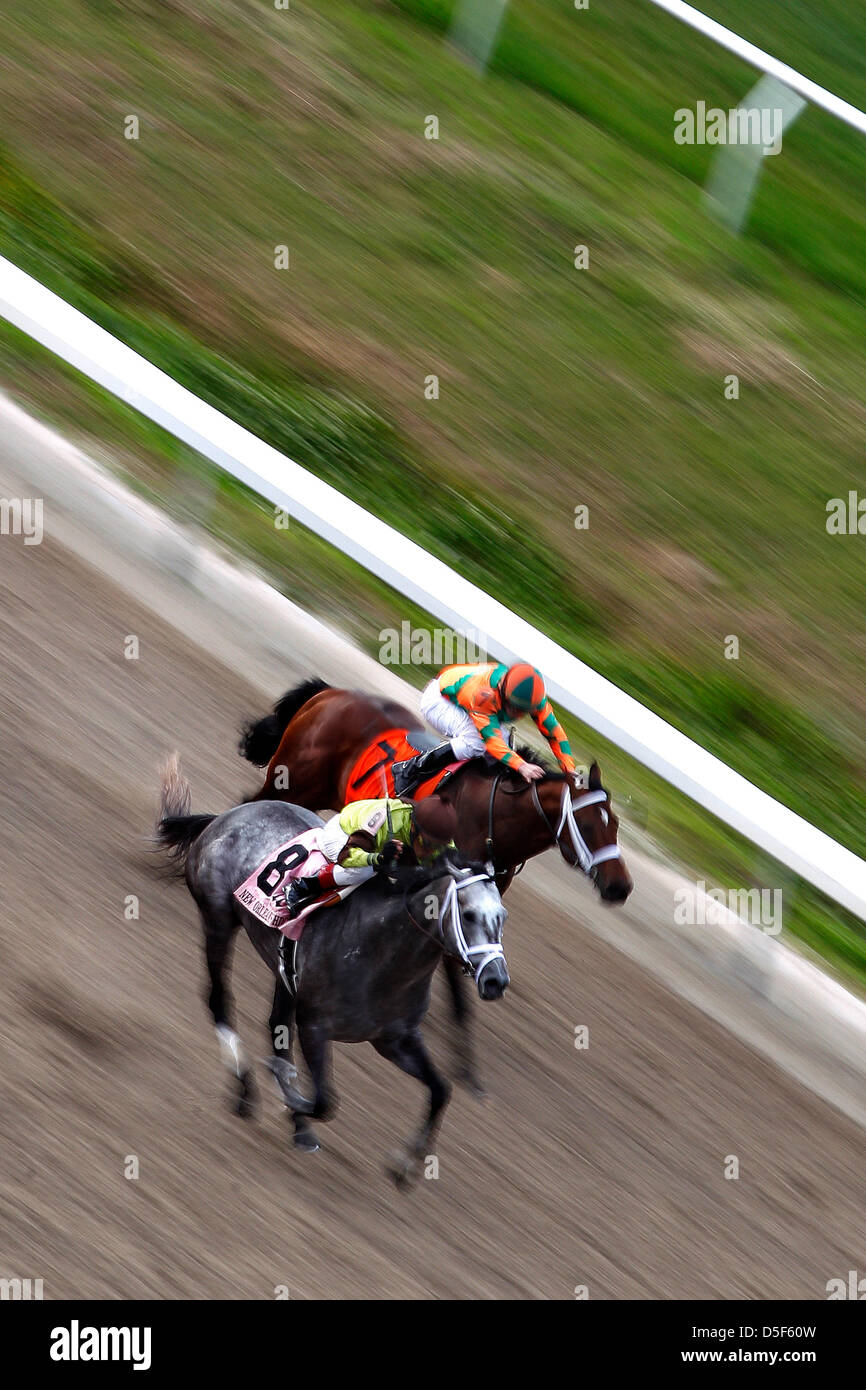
<point>413,771</point>
<point>288,956</point>
<point>297,898</point>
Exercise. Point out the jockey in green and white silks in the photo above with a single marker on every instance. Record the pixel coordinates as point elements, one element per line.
<point>367,837</point>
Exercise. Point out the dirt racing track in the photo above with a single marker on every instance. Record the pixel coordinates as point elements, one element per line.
<point>601,1167</point>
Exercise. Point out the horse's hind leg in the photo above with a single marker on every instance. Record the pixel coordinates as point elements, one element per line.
<point>410,1055</point>
<point>467,1072</point>
<point>218,939</point>
<point>281,1027</point>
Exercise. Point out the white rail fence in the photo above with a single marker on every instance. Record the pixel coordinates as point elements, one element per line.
<point>736,168</point>
<point>434,586</point>
<point>757,58</point>
<point>477,23</point>
<point>781,89</point>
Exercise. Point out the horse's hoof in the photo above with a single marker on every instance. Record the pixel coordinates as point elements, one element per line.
<point>403,1168</point>
<point>306,1142</point>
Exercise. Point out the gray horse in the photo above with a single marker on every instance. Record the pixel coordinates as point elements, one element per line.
<point>361,971</point>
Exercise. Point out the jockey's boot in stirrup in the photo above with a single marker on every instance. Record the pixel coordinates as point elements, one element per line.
<point>301,892</point>
<point>410,774</point>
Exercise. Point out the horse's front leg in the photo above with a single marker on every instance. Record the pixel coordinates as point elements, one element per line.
<point>466,1070</point>
<point>410,1055</point>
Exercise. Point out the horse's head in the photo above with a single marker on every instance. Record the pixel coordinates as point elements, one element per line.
<point>469,918</point>
<point>586,832</point>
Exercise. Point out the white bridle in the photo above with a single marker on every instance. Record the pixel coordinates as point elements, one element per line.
<point>586,858</point>
<point>487,950</point>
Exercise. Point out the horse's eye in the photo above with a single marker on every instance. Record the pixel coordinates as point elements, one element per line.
<point>604,818</point>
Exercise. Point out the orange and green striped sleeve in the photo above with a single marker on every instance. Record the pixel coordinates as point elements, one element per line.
<point>549,725</point>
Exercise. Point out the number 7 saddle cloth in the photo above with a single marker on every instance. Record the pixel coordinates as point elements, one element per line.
<point>371,777</point>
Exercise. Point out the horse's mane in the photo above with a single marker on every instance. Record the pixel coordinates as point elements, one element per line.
<point>415,878</point>
<point>490,768</point>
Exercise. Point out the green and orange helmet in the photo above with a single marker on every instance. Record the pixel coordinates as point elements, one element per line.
<point>522,688</point>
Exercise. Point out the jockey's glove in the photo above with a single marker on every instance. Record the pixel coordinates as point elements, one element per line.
<point>391,854</point>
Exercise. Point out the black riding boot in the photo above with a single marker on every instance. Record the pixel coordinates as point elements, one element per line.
<point>301,892</point>
<point>410,774</point>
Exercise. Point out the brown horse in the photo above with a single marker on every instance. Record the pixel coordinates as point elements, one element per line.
<point>316,734</point>
<point>312,743</point>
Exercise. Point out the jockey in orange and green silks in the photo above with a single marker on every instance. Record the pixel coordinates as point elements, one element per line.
<point>470,705</point>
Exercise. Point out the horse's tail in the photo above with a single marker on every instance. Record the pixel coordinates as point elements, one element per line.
<point>260,738</point>
<point>176,829</point>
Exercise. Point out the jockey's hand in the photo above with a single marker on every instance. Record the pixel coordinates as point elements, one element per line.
<point>391,853</point>
<point>531,771</point>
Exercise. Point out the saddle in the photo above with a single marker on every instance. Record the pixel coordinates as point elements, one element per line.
<point>371,775</point>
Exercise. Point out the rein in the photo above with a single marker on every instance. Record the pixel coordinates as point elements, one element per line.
<point>536,801</point>
<point>488,848</point>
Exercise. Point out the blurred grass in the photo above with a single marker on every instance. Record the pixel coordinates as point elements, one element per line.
<point>558,387</point>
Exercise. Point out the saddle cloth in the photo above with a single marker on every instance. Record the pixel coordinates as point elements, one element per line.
<point>263,893</point>
<point>371,777</point>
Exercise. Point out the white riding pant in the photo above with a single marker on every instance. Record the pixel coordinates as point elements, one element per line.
<point>451,721</point>
<point>332,839</point>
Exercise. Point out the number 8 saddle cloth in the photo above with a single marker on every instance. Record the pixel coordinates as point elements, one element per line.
<point>263,893</point>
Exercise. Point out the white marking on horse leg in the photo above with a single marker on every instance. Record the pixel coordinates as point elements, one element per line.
<point>282,1070</point>
<point>231,1050</point>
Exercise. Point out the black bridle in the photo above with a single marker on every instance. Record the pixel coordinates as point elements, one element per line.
<point>536,801</point>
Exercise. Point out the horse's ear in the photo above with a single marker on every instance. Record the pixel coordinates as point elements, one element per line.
<point>595,778</point>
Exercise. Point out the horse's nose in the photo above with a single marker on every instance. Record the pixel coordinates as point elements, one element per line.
<point>617,890</point>
<point>494,979</point>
